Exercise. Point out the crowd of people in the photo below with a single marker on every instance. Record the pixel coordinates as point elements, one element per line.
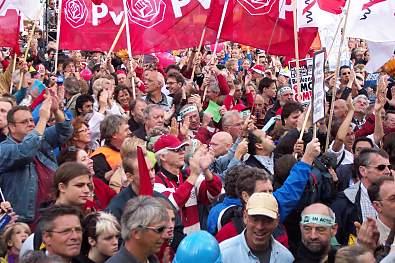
<point>235,175</point>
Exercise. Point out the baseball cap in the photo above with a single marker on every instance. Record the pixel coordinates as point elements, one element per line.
<point>168,142</point>
<point>262,204</point>
<point>258,69</point>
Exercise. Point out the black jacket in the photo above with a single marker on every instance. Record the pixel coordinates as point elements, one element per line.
<point>347,209</point>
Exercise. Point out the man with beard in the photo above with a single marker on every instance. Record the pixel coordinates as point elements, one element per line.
<point>317,228</point>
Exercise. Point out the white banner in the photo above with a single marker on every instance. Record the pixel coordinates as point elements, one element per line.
<point>318,106</point>
<point>305,76</point>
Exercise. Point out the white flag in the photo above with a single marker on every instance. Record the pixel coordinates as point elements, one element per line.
<point>31,9</point>
<point>373,20</point>
<point>318,13</point>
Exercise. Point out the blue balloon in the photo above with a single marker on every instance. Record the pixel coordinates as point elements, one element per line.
<point>198,247</point>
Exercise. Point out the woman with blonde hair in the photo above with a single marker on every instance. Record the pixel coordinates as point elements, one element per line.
<point>100,237</point>
<point>13,237</point>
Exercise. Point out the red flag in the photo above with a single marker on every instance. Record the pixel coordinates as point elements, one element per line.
<point>261,24</point>
<point>9,30</point>
<point>145,180</point>
<point>155,25</point>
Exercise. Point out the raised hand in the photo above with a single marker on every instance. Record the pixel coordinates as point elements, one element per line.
<point>312,151</point>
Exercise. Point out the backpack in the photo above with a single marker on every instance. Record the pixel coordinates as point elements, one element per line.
<point>319,188</point>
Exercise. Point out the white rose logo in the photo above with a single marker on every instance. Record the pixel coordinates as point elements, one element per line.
<point>76,13</point>
<point>146,13</point>
<point>257,7</point>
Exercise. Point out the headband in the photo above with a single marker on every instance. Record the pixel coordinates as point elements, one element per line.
<point>188,109</point>
<point>318,220</point>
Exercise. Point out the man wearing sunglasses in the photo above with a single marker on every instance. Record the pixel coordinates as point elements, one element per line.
<point>353,204</point>
<point>185,188</point>
<point>144,225</point>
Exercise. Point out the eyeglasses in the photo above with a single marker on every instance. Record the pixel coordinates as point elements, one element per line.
<point>83,130</point>
<point>381,167</point>
<point>158,230</point>
<point>25,122</point>
<point>67,231</point>
<point>346,73</point>
<point>181,149</point>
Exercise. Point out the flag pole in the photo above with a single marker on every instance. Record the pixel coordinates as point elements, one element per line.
<point>129,46</point>
<point>58,35</point>
<point>295,18</point>
<point>306,117</point>
<point>13,69</point>
<point>334,38</point>
<point>114,43</point>
<point>27,50</point>
<point>221,23</point>
<point>197,53</point>
<point>336,76</point>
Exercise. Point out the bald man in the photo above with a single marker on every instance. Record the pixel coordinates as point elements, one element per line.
<point>222,146</point>
<point>220,143</point>
<point>154,81</point>
<point>340,109</point>
<point>317,227</point>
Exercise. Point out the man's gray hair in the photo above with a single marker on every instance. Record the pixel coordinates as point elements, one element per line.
<point>227,119</point>
<point>361,97</point>
<point>213,85</point>
<point>150,108</point>
<point>110,125</point>
<point>142,211</point>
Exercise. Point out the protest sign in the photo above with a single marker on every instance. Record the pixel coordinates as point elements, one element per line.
<point>213,108</point>
<point>318,105</point>
<point>305,75</point>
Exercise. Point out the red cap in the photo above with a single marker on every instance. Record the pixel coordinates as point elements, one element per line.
<point>120,71</point>
<point>258,69</point>
<point>168,141</point>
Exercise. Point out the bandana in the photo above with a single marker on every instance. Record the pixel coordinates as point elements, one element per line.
<point>282,90</point>
<point>318,220</point>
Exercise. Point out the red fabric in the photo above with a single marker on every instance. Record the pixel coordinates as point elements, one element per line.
<point>45,182</point>
<point>5,63</point>
<point>179,193</point>
<point>161,25</point>
<point>40,98</point>
<point>103,193</point>
<point>368,127</point>
<point>275,35</point>
<point>9,30</point>
<point>227,231</point>
<point>223,85</point>
<point>145,180</point>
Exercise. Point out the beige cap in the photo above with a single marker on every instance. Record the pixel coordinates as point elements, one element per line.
<point>262,204</point>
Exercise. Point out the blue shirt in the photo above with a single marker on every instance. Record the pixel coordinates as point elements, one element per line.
<point>236,249</point>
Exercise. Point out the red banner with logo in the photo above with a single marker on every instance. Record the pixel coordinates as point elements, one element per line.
<point>155,25</point>
<point>265,24</point>
<point>9,30</point>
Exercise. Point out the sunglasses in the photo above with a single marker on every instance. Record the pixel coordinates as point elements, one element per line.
<point>181,149</point>
<point>382,167</point>
<point>158,230</point>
